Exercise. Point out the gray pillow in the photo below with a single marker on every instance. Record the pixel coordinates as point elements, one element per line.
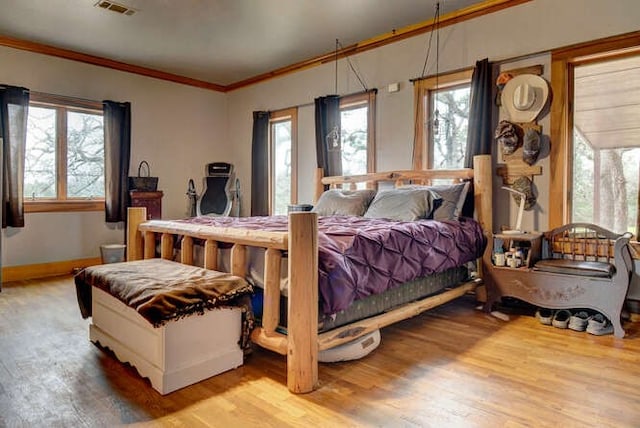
<point>453,196</point>
<point>344,202</point>
<point>404,204</point>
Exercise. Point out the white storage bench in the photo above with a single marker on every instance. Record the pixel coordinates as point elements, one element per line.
<point>178,353</point>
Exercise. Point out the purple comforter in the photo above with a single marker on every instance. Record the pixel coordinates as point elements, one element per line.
<point>360,256</point>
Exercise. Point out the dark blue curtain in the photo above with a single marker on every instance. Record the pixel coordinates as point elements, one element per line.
<point>328,148</point>
<point>260,164</point>
<point>14,111</point>
<point>117,153</point>
<point>480,134</point>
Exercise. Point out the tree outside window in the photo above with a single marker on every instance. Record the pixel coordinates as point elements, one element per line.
<point>282,160</point>
<point>450,135</point>
<point>606,144</point>
<point>441,120</point>
<point>64,155</point>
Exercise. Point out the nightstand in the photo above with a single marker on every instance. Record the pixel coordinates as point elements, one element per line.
<point>152,201</point>
<point>512,279</point>
<point>528,245</point>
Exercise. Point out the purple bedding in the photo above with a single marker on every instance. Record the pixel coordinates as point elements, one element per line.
<point>361,256</point>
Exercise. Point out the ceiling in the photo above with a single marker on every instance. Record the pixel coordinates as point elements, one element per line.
<point>607,103</point>
<point>216,41</point>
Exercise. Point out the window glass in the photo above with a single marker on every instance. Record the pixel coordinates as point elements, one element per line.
<point>64,154</point>
<point>85,155</point>
<point>441,120</point>
<point>449,126</point>
<point>40,154</point>
<point>606,144</point>
<point>281,138</point>
<point>354,124</point>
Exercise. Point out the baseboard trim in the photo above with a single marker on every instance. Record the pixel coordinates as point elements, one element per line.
<point>43,270</point>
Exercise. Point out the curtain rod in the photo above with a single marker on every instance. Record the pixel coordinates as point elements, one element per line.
<point>70,98</point>
<point>495,62</point>
<point>417,79</point>
<point>520,57</point>
<point>311,103</point>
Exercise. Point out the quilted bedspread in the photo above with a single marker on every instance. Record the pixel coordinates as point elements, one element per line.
<point>361,256</point>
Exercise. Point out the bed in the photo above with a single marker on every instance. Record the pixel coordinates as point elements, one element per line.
<point>298,242</point>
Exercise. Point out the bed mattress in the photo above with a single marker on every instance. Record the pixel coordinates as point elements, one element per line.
<point>379,303</point>
<point>361,257</point>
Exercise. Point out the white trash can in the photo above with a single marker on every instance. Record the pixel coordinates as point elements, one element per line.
<point>112,253</point>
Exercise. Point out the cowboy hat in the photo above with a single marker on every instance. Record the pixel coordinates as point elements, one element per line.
<point>524,97</point>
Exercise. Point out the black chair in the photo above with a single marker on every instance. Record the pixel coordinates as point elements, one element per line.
<point>220,190</point>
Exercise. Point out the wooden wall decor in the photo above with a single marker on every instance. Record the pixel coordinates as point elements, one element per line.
<point>512,165</point>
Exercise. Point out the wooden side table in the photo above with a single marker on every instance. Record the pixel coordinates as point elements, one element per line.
<point>513,281</point>
<point>529,243</point>
<point>152,201</point>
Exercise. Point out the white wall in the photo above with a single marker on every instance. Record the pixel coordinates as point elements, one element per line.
<point>176,128</point>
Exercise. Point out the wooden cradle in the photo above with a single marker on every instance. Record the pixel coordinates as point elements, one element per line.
<point>302,341</point>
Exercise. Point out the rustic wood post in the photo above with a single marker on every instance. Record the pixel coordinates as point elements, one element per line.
<point>135,216</point>
<point>302,343</point>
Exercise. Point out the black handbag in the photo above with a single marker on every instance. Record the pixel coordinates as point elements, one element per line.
<point>143,183</point>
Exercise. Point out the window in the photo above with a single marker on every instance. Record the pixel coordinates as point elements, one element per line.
<point>357,123</point>
<point>597,155</point>
<point>64,155</point>
<point>442,117</point>
<point>283,131</point>
<point>606,143</point>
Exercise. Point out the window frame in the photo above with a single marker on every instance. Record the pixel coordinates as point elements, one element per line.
<point>424,89</point>
<point>278,116</point>
<point>353,101</point>
<point>61,203</point>
<point>563,62</point>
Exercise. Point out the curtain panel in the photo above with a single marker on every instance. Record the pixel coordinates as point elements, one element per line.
<point>328,145</point>
<point>260,164</point>
<point>480,135</point>
<point>14,111</point>
<point>117,151</point>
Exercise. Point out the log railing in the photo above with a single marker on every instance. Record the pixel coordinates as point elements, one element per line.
<point>300,342</point>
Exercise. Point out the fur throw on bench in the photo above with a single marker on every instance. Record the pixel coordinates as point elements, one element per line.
<point>161,290</point>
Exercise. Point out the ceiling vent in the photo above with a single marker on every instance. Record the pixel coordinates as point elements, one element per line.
<point>115,7</point>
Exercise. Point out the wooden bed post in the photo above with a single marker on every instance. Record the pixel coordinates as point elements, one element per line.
<point>483,192</point>
<point>483,201</point>
<point>302,343</point>
<point>135,243</point>
<point>319,186</point>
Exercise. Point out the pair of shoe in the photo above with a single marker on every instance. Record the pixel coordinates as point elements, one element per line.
<point>599,325</point>
<point>596,324</point>
<point>545,316</point>
<point>559,319</point>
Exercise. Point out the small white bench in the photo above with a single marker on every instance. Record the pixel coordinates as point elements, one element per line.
<point>178,353</point>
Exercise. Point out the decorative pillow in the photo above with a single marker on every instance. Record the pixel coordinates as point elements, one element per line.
<point>403,203</point>
<point>453,197</point>
<point>344,202</point>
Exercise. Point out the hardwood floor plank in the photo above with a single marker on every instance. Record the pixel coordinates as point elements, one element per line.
<point>452,366</point>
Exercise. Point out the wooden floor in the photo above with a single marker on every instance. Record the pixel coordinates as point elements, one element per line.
<point>454,366</point>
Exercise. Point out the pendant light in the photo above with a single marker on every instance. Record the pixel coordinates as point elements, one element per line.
<point>333,137</point>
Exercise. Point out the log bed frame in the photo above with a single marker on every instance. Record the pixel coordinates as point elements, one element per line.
<point>302,342</point>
